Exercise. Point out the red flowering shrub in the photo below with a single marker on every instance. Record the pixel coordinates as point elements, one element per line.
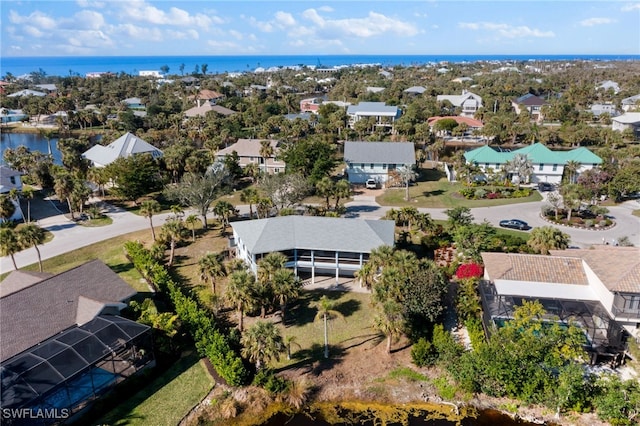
<point>493,195</point>
<point>469,270</point>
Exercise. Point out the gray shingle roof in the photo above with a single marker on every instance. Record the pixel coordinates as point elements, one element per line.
<point>35,313</point>
<point>125,146</point>
<point>379,152</point>
<point>373,108</point>
<point>310,232</point>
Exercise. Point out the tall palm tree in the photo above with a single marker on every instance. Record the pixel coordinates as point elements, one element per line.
<point>521,166</point>
<point>173,231</point>
<point>147,209</point>
<point>290,341</point>
<point>572,168</point>
<point>269,264</point>
<point>211,267</point>
<point>266,151</point>
<point>32,235</point>
<point>407,174</point>
<point>224,210</point>
<point>9,244</point>
<point>286,286</point>
<point>390,320</point>
<point>251,197</point>
<point>240,293</point>
<point>327,312</point>
<point>191,221</point>
<point>28,194</point>
<point>7,208</point>
<point>261,343</point>
<point>325,188</point>
<point>252,171</point>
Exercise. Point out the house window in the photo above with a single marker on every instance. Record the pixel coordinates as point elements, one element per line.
<point>384,166</point>
<point>486,166</point>
<point>13,180</point>
<point>371,166</point>
<point>276,170</point>
<point>541,167</point>
<point>350,166</point>
<point>555,167</point>
<point>632,303</point>
<point>392,166</point>
<point>362,165</point>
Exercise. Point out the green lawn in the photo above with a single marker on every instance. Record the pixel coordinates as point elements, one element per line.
<point>432,190</point>
<point>354,329</point>
<point>166,399</point>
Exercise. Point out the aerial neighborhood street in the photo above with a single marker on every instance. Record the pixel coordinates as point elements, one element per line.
<point>299,213</point>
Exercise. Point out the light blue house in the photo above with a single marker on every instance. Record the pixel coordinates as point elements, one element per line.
<point>376,160</point>
<point>384,115</point>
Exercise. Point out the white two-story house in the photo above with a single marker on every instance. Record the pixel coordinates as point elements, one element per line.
<point>376,160</point>
<point>469,102</point>
<point>548,165</point>
<point>384,115</point>
<point>250,151</point>
<point>598,288</point>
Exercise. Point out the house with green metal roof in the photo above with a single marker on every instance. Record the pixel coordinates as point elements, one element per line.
<point>548,165</point>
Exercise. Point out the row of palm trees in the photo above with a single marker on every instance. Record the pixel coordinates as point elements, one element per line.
<point>14,240</point>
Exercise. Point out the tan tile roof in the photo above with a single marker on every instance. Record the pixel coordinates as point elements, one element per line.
<point>617,267</point>
<point>534,268</point>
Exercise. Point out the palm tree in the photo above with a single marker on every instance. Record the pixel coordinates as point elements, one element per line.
<point>63,187</point>
<point>32,235</point>
<point>288,342</point>
<point>269,264</point>
<point>211,267</point>
<point>28,194</point>
<point>266,151</point>
<point>177,211</point>
<point>546,238</point>
<point>250,196</point>
<point>252,171</point>
<point>407,174</point>
<point>261,343</point>
<point>240,293</point>
<point>191,221</point>
<point>390,321</point>
<point>9,244</point>
<point>7,208</point>
<point>572,168</point>
<point>341,190</point>
<point>173,231</point>
<point>521,166</point>
<point>224,210</point>
<point>325,188</point>
<point>147,209</point>
<point>285,286</point>
<point>326,312</point>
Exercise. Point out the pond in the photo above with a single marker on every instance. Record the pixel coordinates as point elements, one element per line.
<point>33,141</point>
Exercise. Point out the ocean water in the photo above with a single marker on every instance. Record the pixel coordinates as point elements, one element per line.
<point>81,65</point>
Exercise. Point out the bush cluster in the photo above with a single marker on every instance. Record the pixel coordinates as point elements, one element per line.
<point>209,341</point>
<point>474,193</point>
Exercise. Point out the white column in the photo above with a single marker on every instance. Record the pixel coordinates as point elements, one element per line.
<point>337,266</point>
<point>295,262</point>
<point>313,267</point>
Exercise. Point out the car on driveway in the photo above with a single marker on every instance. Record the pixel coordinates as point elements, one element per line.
<point>515,224</point>
<point>545,187</point>
<point>371,184</point>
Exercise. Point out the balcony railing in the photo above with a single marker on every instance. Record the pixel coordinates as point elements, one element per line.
<point>627,313</point>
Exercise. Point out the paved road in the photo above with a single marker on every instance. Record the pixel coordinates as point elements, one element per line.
<point>70,236</point>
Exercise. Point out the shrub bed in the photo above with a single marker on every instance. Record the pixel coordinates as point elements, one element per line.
<point>480,193</point>
<point>209,341</point>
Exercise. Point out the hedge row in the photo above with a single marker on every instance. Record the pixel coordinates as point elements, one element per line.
<point>209,341</point>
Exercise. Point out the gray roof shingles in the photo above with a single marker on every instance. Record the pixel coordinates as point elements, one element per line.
<point>35,313</point>
<point>379,152</point>
<point>318,233</point>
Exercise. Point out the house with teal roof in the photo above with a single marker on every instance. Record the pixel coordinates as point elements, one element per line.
<point>548,165</point>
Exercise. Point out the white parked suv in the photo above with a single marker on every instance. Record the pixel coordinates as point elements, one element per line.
<point>371,184</point>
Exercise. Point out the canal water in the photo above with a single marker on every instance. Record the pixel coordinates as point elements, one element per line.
<point>33,141</point>
<point>483,418</point>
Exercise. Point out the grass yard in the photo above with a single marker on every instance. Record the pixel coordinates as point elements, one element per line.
<point>110,251</point>
<point>166,399</point>
<point>434,191</point>
<point>352,330</point>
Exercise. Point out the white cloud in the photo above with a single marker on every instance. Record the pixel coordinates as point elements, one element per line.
<point>327,9</point>
<point>37,18</point>
<point>596,21</point>
<point>139,33</point>
<point>183,35</point>
<point>261,25</point>
<point>505,30</point>
<point>630,7</point>
<point>236,34</point>
<point>90,3</point>
<point>139,10</point>
<point>86,19</point>
<point>285,19</point>
<point>373,24</point>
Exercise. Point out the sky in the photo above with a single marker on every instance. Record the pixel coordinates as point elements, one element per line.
<point>316,27</point>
